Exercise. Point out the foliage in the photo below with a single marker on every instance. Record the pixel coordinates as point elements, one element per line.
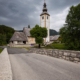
<point>2,39</point>
<point>56,46</point>
<point>55,42</point>
<point>38,33</point>
<point>39,40</point>
<point>5,34</point>
<point>71,31</point>
<point>1,50</point>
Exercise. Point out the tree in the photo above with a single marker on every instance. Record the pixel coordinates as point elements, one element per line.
<point>2,39</point>
<point>5,33</point>
<point>38,33</point>
<point>71,31</point>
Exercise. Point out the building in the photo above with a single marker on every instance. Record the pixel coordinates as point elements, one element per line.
<point>45,21</point>
<point>54,38</point>
<point>23,37</point>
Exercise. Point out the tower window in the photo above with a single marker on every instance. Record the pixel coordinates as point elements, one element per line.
<point>42,17</point>
<point>47,17</point>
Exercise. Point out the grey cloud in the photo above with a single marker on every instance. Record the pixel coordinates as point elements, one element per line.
<point>21,13</point>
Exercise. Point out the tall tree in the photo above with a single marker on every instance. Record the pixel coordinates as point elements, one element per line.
<point>2,39</point>
<point>38,33</point>
<point>71,32</point>
<point>6,33</point>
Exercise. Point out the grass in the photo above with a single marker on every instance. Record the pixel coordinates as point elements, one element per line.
<point>50,46</point>
<point>1,50</point>
<point>56,46</point>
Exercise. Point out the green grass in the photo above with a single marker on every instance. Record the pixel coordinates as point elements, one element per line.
<point>1,50</point>
<point>56,46</point>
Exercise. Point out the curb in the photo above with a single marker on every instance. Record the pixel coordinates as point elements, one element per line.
<point>5,66</point>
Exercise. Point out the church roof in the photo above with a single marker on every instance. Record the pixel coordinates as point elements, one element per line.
<point>26,31</point>
<point>18,36</point>
<point>53,38</point>
<point>44,10</point>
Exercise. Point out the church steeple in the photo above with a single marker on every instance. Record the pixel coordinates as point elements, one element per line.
<point>44,7</point>
<point>44,11</point>
<point>45,21</point>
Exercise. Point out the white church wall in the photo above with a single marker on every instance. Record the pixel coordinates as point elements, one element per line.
<point>45,23</point>
<point>42,21</point>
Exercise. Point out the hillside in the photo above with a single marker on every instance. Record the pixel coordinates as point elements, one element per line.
<point>5,34</point>
<point>53,32</point>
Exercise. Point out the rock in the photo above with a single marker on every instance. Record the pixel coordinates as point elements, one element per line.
<point>63,57</point>
<point>67,58</point>
<point>60,54</point>
<point>71,59</point>
<point>78,55</point>
<point>65,54</point>
<point>73,55</point>
<point>76,59</point>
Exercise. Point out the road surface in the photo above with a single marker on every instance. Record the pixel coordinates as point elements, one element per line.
<point>31,66</point>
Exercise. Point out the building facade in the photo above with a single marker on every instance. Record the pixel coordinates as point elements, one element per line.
<point>23,37</point>
<point>45,22</point>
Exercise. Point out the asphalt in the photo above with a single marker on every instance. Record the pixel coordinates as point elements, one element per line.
<point>31,66</point>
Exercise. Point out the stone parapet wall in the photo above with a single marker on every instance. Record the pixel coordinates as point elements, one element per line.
<point>69,55</point>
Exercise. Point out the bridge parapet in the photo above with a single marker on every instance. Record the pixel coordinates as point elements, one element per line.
<point>68,55</point>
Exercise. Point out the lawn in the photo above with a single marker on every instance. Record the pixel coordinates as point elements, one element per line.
<point>56,46</point>
<point>1,50</point>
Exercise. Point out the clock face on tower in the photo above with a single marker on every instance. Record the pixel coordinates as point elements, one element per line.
<point>47,17</point>
<point>42,17</point>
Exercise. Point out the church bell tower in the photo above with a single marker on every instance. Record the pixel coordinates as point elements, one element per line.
<point>45,21</point>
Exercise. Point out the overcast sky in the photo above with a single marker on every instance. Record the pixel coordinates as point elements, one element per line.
<point>21,13</point>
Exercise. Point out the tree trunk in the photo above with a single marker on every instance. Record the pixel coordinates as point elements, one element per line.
<point>39,45</point>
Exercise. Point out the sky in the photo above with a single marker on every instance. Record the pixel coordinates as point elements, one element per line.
<point>21,13</point>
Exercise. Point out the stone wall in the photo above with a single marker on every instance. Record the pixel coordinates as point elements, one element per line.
<point>69,55</point>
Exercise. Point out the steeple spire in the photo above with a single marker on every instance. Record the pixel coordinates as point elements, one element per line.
<point>44,1</point>
<point>44,7</point>
<point>44,10</point>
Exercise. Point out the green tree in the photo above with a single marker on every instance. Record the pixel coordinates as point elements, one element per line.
<point>71,32</point>
<point>2,39</point>
<point>5,33</point>
<point>38,33</point>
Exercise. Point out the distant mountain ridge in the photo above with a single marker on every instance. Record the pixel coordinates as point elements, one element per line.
<point>53,32</point>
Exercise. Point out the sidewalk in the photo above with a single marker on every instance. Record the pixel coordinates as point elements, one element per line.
<point>5,67</point>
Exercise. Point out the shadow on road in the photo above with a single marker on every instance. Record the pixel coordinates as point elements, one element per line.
<point>16,50</point>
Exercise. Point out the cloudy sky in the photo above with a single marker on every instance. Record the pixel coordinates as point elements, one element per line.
<point>21,13</point>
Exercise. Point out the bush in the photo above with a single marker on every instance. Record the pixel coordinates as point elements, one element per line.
<point>55,42</point>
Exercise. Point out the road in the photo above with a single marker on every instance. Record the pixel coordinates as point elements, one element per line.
<point>31,66</point>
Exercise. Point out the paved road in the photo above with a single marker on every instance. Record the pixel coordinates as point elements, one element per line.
<point>31,66</point>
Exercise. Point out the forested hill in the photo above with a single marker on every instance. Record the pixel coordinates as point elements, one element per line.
<point>53,32</point>
<point>5,34</point>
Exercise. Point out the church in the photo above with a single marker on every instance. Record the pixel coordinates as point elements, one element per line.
<point>24,36</point>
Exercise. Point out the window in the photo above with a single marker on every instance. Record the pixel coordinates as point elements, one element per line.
<point>47,17</point>
<point>42,17</point>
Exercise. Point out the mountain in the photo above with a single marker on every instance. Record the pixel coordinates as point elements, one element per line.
<point>53,32</point>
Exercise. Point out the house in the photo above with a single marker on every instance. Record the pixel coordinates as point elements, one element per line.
<point>23,37</point>
<point>54,38</point>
